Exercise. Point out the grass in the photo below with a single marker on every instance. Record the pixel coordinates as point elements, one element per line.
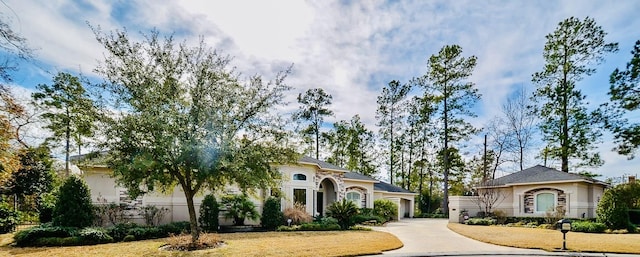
<point>330,243</point>
<point>546,239</point>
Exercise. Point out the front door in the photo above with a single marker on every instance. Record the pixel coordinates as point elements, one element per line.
<point>319,200</point>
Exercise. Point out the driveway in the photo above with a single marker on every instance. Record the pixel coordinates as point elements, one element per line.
<point>431,237</point>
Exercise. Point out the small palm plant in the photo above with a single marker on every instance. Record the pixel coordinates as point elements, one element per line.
<point>239,208</point>
<point>343,211</point>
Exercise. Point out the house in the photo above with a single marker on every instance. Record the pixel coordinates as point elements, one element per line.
<point>534,191</point>
<point>311,182</point>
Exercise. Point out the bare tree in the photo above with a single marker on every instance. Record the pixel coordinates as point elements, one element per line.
<point>488,195</point>
<point>521,125</point>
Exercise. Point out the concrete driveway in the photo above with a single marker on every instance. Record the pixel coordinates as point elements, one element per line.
<point>431,237</point>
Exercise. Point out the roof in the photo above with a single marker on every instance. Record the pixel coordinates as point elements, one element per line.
<point>321,164</point>
<point>540,174</point>
<point>358,176</point>
<point>383,186</point>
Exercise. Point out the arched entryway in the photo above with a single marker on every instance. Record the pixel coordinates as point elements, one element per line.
<point>326,194</point>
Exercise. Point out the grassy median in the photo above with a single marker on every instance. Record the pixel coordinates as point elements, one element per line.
<point>330,243</point>
<point>550,240</point>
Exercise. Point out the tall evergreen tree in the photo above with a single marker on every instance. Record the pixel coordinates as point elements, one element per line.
<point>390,113</point>
<point>454,97</point>
<point>351,146</point>
<point>567,126</point>
<point>70,111</point>
<point>313,109</point>
<point>625,97</point>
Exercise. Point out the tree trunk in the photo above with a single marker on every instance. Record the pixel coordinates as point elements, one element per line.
<point>195,231</point>
<point>67,138</point>
<point>445,198</point>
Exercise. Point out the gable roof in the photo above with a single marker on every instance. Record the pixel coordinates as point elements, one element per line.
<point>384,186</point>
<point>322,164</point>
<point>358,176</point>
<point>540,174</point>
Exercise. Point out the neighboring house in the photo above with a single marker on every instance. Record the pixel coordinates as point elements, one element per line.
<point>534,191</point>
<point>314,183</point>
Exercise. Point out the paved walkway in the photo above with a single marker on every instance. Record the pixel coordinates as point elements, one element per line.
<point>431,237</point>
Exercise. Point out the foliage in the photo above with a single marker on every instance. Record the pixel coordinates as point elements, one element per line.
<point>567,126</point>
<point>385,209</point>
<point>152,215</point>
<point>185,117</point>
<point>35,175</point>
<point>389,115</point>
<point>453,97</point>
<point>588,227</point>
<point>500,216</point>
<point>73,206</point>
<point>29,236</point>
<point>297,214</point>
<point>272,216</point>
<point>613,208</point>
<point>209,211</point>
<point>318,227</point>
<point>313,109</point>
<point>369,219</point>
<point>94,236</point>
<point>8,218</point>
<point>239,207</point>
<point>343,211</point>
<point>71,112</point>
<point>350,145</point>
<point>61,236</point>
<point>481,221</point>
<point>624,93</point>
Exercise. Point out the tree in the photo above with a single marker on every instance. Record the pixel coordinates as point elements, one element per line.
<point>71,112</point>
<point>624,93</point>
<point>350,145</point>
<point>272,216</point>
<point>488,195</point>
<point>35,175</point>
<point>186,118</point>
<point>209,210</point>
<point>390,114</point>
<point>73,205</point>
<point>454,97</point>
<point>313,109</point>
<point>570,53</point>
<point>13,45</point>
<point>519,125</point>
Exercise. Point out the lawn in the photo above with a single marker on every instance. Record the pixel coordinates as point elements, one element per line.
<point>546,239</point>
<point>330,243</point>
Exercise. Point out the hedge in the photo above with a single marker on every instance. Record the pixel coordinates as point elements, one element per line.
<point>588,227</point>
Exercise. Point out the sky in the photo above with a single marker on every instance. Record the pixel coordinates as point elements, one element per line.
<point>351,49</point>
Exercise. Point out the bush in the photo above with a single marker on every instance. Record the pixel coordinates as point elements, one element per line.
<point>361,218</point>
<point>272,217</point>
<point>90,236</point>
<point>500,216</point>
<point>239,208</point>
<point>73,206</point>
<point>298,214</point>
<point>386,209</point>
<point>8,218</point>
<point>318,227</point>
<point>129,238</point>
<point>29,237</point>
<point>152,214</point>
<point>612,211</point>
<point>481,221</point>
<point>552,216</point>
<point>284,228</point>
<point>209,211</point>
<point>120,230</point>
<point>343,211</point>
<point>110,213</point>
<point>588,227</point>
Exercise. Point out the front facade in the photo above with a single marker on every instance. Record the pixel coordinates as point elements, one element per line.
<point>313,183</point>
<point>535,191</point>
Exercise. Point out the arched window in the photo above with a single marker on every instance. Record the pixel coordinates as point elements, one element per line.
<point>545,202</point>
<point>355,198</point>
<point>299,177</point>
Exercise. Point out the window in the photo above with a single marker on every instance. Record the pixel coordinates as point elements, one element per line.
<point>355,198</point>
<point>299,176</point>
<point>545,202</point>
<point>300,196</point>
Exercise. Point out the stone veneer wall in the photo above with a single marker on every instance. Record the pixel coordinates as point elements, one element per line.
<point>337,176</point>
<point>529,199</point>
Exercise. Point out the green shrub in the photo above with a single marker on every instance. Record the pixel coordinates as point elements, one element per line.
<point>73,206</point>
<point>612,211</point>
<point>343,211</point>
<point>209,211</point>
<point>8,218</point>
<point>318,227</point>
<point>288,228</point>
<point>588,227</point>
<point>120,230</point>
<point>129,238</point>
<point>359,228</point>
<point>175,228</point>
<point>326,220</point>
<point>272,216</point>
<point>29,237</point>
<point>481,221</point>
<point>361,218</point>
<point>90,236</point>
<point>239,207</point>
<point>57,241</point>
<point>386,209</point>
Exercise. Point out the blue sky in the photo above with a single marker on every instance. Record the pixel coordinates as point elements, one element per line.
<point>349,48</point>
